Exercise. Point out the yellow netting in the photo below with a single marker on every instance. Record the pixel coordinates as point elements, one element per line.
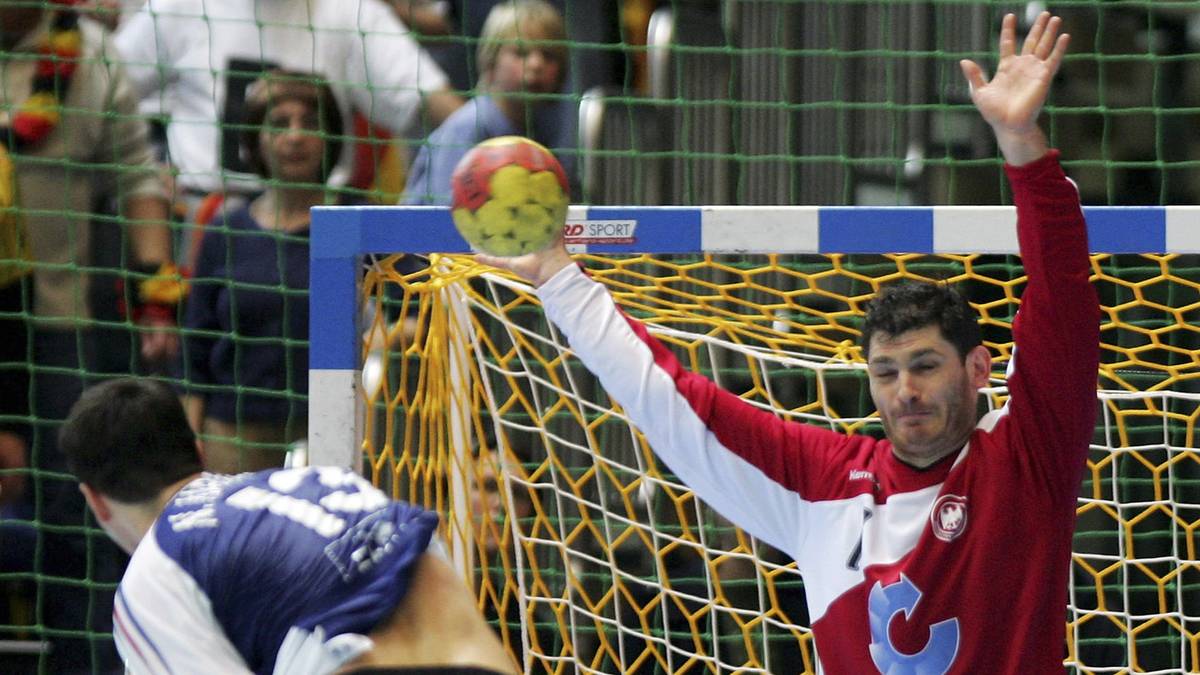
<point>587,554</point>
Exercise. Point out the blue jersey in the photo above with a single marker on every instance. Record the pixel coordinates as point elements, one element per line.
<point>237,566</point>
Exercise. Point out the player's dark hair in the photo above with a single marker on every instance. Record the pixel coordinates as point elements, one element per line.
<point>128,439</point>
<point>277,86</point>
<point>911,304</point>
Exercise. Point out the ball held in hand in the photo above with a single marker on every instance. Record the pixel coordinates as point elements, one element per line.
<point>509,196</point>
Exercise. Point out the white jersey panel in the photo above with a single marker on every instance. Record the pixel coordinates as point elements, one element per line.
<point>162,617</point>
<point>868,533</point>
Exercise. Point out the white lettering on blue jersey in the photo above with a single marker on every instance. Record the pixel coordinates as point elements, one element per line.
<point>244,561</point>
<point>306,513</point>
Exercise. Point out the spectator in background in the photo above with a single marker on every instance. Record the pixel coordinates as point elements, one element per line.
<point>502,503</point>
<point>193,59</point>
<point>598,30</point>
<point>72,138</point>
<point>109,13</point>
<point>427,17</point>
<point>522,61</point>
<point>492,520</point>
<point>245,361</point>
<point>14,337</point>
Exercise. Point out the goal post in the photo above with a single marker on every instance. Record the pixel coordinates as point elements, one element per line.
<point>590,556</point>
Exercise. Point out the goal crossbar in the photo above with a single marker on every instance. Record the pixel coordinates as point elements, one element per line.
<point>340,236</point>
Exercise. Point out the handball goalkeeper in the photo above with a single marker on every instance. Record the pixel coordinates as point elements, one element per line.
<point>905,544</point>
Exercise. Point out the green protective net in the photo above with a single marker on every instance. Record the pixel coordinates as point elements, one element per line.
<point>667,102</point>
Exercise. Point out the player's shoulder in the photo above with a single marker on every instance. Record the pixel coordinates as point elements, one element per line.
<point>97,52</point>
<point>216,517</point>
<point>475,121</point>
<point>172,10</point>
<point>994,440</point>
<point>153,567</point>
<point>194,507</point>
<point>340,16</point>
<point>323,478</point>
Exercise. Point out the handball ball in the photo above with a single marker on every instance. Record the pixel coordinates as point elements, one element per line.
<point>509,196</point>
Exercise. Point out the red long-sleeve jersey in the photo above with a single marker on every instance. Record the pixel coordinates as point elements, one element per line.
<point>961,567</point>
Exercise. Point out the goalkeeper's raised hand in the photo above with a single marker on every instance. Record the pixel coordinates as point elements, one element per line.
<point>536,268</point>
<point>1011,100</point>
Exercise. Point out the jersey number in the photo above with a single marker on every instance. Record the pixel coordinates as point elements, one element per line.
<point>935,658</point>
<point>856,554</point>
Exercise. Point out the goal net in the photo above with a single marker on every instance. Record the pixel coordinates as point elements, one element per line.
<point>590,556</point>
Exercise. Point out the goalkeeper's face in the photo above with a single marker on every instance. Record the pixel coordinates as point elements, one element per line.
<point>925,392</point>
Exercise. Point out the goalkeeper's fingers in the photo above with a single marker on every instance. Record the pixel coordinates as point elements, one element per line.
<point>537,267</point>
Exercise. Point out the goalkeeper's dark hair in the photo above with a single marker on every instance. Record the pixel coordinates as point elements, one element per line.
<point>128,439</point>
<point>911,304</point>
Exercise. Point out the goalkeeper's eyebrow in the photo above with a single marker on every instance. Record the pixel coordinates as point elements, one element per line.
<point>888,360</point>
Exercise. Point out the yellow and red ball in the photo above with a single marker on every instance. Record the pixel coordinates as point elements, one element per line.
<point>509,196</point>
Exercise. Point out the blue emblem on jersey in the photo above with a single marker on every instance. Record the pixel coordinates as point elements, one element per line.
<point>884,603</point>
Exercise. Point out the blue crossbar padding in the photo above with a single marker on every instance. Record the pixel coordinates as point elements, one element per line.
<point>334,245</point>
<point>1130,229</point>
<point>853,229</point>
<point>333,301</point>
<point>335,232</point>
<point>770,229</point>
<point>390,230</point>
<point>341,234</point>
<point>662,229</point>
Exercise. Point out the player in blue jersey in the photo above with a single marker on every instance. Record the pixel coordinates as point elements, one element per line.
<point>309,570</point>
<point>905,543</point>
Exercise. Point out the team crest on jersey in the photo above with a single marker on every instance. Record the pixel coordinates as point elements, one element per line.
<point>949,517</point>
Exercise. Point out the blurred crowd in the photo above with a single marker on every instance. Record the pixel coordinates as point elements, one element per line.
<point>158,164</point>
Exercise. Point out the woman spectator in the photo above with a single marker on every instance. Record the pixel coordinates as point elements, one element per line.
<point>245,356</point>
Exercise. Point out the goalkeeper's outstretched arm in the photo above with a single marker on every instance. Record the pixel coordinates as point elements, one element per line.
<point>753,467</point>
<point>1053,378</point>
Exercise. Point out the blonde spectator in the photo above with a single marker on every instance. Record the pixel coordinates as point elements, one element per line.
<point>522,58</point>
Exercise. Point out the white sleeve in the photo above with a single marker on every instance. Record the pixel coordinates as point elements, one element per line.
<point>137,42</point>
<point>675,423</point>
<point>395,70</point>
<point>163,622</point>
